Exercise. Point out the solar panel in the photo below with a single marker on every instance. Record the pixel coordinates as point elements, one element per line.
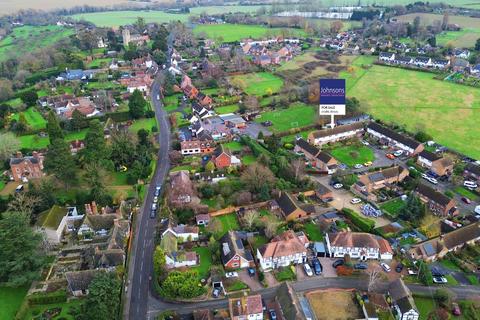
<point>239,244</point>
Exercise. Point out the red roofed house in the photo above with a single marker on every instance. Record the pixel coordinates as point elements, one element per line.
<point>222,157</point>
<point>29,167</point>
<point>203,99</point>
<point>358,245</point>
<point>244,308</point>
<point>233,253</point>
<point>197,147</point>
<point>283,250</point>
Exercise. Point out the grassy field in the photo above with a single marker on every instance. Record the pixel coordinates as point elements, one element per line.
<point>97,63</point>
<point>33,141</point>
<point>419,102</point>
<point>118,18</point>
<point>34,118</point>
<point>297,115</point>
<point>231,108</point>
<point>234,146</point>
<point>64,314</point>
<point>352,155</point>
<point>229,222</point>
<point>236,32</point>
<point>146,124</point>
<point>466,193</point>
<point>464,38</point>
<point>29,38</point>
<point>205,261</point>
<point>393,206</point>
<point>425,306</point>
<point>258,84</point>
<point>313,232</point>
<point>10,301</point>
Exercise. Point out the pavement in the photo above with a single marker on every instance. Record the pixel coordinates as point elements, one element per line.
<point>140,268</point>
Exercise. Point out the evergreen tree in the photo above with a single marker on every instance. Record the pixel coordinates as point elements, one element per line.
<point>53,127</point>
<point>29,97</point>
<point>137,104</point>
<point>59,161</point>
<point>95,147</point>
<point>78,121</point>
<point>103,298</point>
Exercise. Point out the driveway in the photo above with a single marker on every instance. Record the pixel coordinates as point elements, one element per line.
<point>328,271</point>
<point>252,282</point>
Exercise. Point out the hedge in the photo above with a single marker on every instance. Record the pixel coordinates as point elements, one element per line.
<point>364,224</point>
<point>47,298</point>
<point>121,116</point>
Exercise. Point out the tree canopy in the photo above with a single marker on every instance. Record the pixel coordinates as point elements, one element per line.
<point>137,104</point>
<point>103,298</point>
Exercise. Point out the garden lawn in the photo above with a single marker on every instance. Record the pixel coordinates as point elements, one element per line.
<point>235,32</point>
<point>466,193</point>
<point>313,232</point>
<point>351,155</point>
<point>449,265</point>
<point>414,99</point>
<point>234,146</point>
<point>451,280</point>
<point>236,285</point>
<point>171,102</point>
<point>258,241</point>
<point>425,306</point>
<point>393,206</point>
<point>248,159</point>
<point>229,222</point>
<point>2,184</point>
<point>181,121</point>
<point>297,115</point>
<point>10,301</point>
<point>146,123</point>
<point>285,274</point>
<point>34,118</point>
<point>231,108</point>
<point>258,83</point>
<point>97,63</point>
<point>183,167</point>
<point>473,279</point>
<point>27,39</point>
<point>205,261</point>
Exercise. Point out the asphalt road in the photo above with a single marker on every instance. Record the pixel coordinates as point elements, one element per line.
<point>156,306</point>
<point>140,267</point>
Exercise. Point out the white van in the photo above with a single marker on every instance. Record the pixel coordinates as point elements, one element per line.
<point>19,188</point>
<point>477,209</point>
<point>470,184</point>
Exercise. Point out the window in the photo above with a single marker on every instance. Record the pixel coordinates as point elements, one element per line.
<point>235,264</point>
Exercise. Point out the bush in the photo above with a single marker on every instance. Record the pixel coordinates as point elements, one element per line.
<point>344,271</point>
<point>150,114</point>
<point>364,224</point>
<point>47,298</point>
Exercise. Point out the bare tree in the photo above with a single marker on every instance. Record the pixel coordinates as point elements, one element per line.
<point>271,226</point>
<point>297,167</point>
<point>250,217</point>
<point>215,226</point>
<point>23,203</point>
<point>8,145</point>
<point>251,103</point>
<point>373,278</point>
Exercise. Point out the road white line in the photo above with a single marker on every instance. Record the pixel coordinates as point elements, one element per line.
<point>141,266</point>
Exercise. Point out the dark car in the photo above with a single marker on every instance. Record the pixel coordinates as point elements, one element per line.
<point>273,314</point>
<point>153,213</point>
<point>466,200</point>
<point>436,272</point>
<point>317,267</point>
<point>338,263</point>
<point>399,267</point>
<point>267,123</point>
<point>360,266</point>
<point>251,272</point>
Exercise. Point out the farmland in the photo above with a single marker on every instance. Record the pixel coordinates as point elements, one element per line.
<point>258,84</point>
<point>298,115</point>
<point>418,102</point>
<point>28,38</point>
<point>236,32</point>
<point>117,18</point>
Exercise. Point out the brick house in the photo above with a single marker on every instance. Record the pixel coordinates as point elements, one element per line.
<point>283,250</point>
<point>233,253</point>
<point>289,207</point>
<point>436,201</point>
<point>181,189</point>
<point>222,157</point>
<point>321,137</point>
<point>197,147</point>
<point>310,151</point>
<point>358,245</point>
<point>203,99</point>
<point>326,163</point>
<point>472,172</point>
<point>369,182</point>
<point>323,193</point>
<point>394,139</point>
<point>250,307</point>
<point>439,165</point>
<point>28,167</point>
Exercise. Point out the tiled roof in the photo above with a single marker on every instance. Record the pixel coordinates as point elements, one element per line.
<point>337,130</point>
<point>393,135</point>
<point>433,194</point>
<point>307,147</point>
<point>286,244</point>
<point>462,235</point>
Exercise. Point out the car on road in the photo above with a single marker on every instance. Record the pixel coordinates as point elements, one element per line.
<point>155,199</point>
<point>360,266</point>
<point>390,156</point>
<point>399,267</point>
<point>365,143</point>
<point>338,186</point>
<point>385,267</point>
<point>358,166</point>
<point>398,153</point>
<point>439,279</point>
<point>470,184</point>
<point>216,292</point>
<point>273,314</point>
<point>355,201</point>
<point>307,269</point>
<point>231,274</point>
<point>317,266</point>
<point>338,263</point>
<point>157,191</point>
<point>153,214</point>
<point>466,200</point>
<point>456,309</point>
<point>154,206</point>
<point>368,163</point>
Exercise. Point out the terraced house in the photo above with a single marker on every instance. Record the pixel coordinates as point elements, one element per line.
<point>394,139</point>
<point>437,164</point>
<point>358,245</point>
<point>321,137</point>
<point>436,201</point>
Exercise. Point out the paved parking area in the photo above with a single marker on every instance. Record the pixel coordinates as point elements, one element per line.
<point>273,305</point>
<point>252,282</point>
<point>328,271</point>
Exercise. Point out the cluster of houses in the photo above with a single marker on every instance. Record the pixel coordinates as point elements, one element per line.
<point>419,61</point>
<point>271,52</point>
<point>64,105</point>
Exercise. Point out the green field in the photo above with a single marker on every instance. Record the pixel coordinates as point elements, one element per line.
<point>258,84</point>
<point>10,301</point>
<point>97,63</point>
<point>118,18</point>
<point>35,142</point>
<point>34,118</point>
<point>229,222</point>
<point>236,32</point>
<point>146,124</point>
<point>29,38</point>
<point>449,112</point>
<point>297,115</point>
<point>234,146</point>
<point>231,108</point>
<point>352,155</point>
<point>393,206</point>
<point>205,261</point>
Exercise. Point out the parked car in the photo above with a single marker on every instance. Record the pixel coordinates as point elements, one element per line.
<point>398,153</point>
<point>338,186</point>
<point>273,314</point>
<point>360,266</point>
<point>429,179</point>
<point>437,272</point>
<point>355,201</point>
<point>466,200</point>
<point>338,263</point>
<point>411,272</point>
<point>153,213</point>
<point>470,184</point>
<point>154,206</point>
<point>385,267</point>
<point>342,166</point>
<point>307,269</point>
<point>157,191</point>
<point>317,266</point>
<point>251,272</point>
<point>267,123</point>
<point>231,274</point>
<point>390,156</point>
<point>368,163</point>
<point>19,188</point>
<point>456,309</point>
<point>358,166</point>
<point>155,199</point>
<point>366,143</point>
<point>440,280</point>
<point>399,267</point>
<point>216,292</point>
